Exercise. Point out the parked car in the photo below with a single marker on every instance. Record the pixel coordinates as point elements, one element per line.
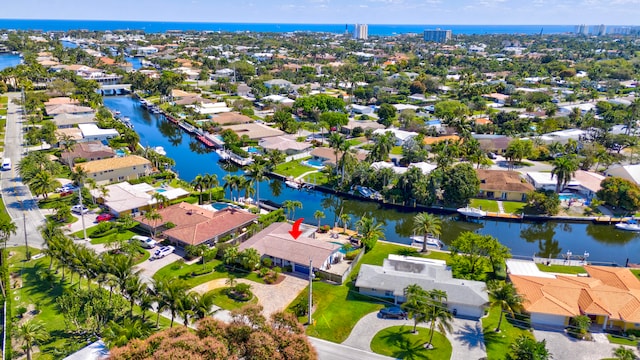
<point>145,241</point>
<point>78,209</point>
<point>393,312</point>
<point>104,217</point>
<point>491,156</point>
<point>162,252</point>
<point>66,193</point>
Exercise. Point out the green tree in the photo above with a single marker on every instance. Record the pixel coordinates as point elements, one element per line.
<point>290,206</point>
<point>120,333</point>
<point>624,353</point>
<point>620,193</point>
<point>416,304</point>
<point>426,224</point>
<point>386,114</point>
<point>504,295</point>
<point>449,110</point>
<point>439,316</point>
<point>543,202</point>
<point>460,184</point>
<point>198,184</point>
<point>517,150</point>
<point>43,183</point>
<point>564,168</point>
<point>31,333</point>
<point>153,216</point>
<point>334,119</point>
<point>472,254</point>
<point>370,230</point>
<point>319,215</point>
<point>527,348</point>
<point>382,145</point>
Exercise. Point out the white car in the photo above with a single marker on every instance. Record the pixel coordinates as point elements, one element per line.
<point>144,241</point>
<point>78,209</point>
<point>163,251</point>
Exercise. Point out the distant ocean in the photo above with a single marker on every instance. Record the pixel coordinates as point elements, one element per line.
<point>374,29</point>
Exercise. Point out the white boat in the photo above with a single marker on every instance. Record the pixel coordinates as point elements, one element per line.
<point>160,150</point>
<point>293,184</point>
<point>472,212</point>
<point>431,241</point>
<point>630,225</point>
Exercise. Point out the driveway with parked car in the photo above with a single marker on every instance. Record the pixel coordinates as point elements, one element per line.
<point>150,267</point>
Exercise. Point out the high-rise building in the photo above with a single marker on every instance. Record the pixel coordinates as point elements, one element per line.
<point>437,35</point>
<point>602,30</point>
<point>361,32</point>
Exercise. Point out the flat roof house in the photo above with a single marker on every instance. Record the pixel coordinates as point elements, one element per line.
<point>124,198</point>
<point>400,136</point>
<point>629,172</point>
<point>465,298</point>
<point>91,132</point>
<point>195,225</point>
<point>117,169</point>
<point>276,243</point>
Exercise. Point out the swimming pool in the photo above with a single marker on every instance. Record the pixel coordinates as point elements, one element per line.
<point>315,162</point>
<point>120,153</point>
<point>253,150</point>
<point>220,205</point>
<point>569,196</point>
<point>161,190</point>
<point>341,246</point>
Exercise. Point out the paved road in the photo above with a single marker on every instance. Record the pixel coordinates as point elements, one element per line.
<point>20,204</point>
<point>332,351</point>
<point>562,346</point>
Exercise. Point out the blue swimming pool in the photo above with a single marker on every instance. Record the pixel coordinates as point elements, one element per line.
<point>567,197</point>
<point>253,150</point>
<point>120,153</point>
<point>161,190</point>
<point>220,205</point>
<point>315,162</point>
<point>341,246</point>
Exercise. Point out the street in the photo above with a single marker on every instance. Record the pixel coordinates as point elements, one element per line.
<point>332,351</point>
<point>20,204</point>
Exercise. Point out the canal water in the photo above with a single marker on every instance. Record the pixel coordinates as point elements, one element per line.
<point>8,60</point>
<point>547,239</point>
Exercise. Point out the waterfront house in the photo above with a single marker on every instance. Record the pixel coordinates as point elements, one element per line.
<point>231,118</point>
<point>89,151</point>
<point>276,243</point>
<point>91,132</point>
<point>465,298</point>
<point>58,109</point>
<point>194,225</point>
<point>117,169</point>
<point>629,172</point>
<point>65,120</point>
<point>503,185</point>
<point>124,198</point>
<point>285,144</point>
<point>328,157</point>
<point>583,182</point>
<point>609,296</point>
<point>254,130</point>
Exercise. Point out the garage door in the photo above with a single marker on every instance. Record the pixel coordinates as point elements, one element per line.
<point>547,319</point>
<point>301,269</point>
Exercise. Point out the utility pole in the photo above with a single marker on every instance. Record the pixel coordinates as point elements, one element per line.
<point>24,224</point>
<point>310,290</point>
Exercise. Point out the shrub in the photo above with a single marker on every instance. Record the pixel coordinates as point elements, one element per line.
<point>169,225</point>
<point>352,254</point>
<point>203,271</point>
<point>191,252</point>
<point>264,271</point>
<point>324,228</point>
<point>266,262</point>
<point>177,265</point>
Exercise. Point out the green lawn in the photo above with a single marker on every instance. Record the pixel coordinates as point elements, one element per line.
<point>3,212</point>
<point>484,204</point>
<point>396,150</point>
<point>317,178</point>
<point>354,142</point>
<point>497,344</point>
<point>513,207</point>
<point>182,271</point>
<point>111,236</point>
<point>636,272</point>
<point>225,302</point>
<point>401,343</point>
<point>292,168</point>
<point>563,269</point>
<point>614,339</point>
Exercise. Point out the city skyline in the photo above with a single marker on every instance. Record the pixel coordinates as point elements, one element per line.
<point>481,12</point>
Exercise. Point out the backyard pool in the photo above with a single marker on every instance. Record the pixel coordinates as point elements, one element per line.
<point>570,196</point>
<point>342,250</point>
<point>220,205</point>
<point>315,162</point>
<point>161,190</point>
<point>253,150</point>
<point>120,153</point>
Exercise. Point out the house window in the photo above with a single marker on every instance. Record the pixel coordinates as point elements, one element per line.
<point>504,196</point>
<point>388,293</point>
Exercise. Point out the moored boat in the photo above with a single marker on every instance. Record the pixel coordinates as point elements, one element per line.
<point>629,225</point>
<point>431,241</point>
<point>472,212</point>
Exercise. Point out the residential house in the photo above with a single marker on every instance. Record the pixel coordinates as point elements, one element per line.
<point>503,185</point>
<point>124,198</point>
<point>277,99</point>
<point>89,151</point>
<point>328,157</point>
<point>629,172</point>
<point>276,243</point>
<point>117,169</point>
<point>609,296</point>
<point>58,109</point>
<point>65,120</point>
<point>583,182</point>
<point>400,136</point>
<point>361,109</point>
<point>194,225</point>
<point>91,132</point>
<point>363,124</point>
<point>465,298</point>
<point>254,130</point>
<point>280,83</point>
<point>231,118</point>
<point>493,143</point>
<point>284,144</point>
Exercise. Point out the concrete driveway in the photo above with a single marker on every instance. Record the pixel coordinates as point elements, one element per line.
<point>273,298</point>
<point>150,267</point>
<point>562,346</point>
<point>466,339</point>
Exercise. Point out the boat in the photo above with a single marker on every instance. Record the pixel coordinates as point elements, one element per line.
<point>472,212</point>
<point>293,184</point>
<point>269,205</point>
<point>160,150</point>
<point>431,241</point>
<point>224,155</point>
<point>629,225</point>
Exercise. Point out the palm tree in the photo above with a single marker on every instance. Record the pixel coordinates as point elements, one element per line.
<point>290,206</point>
<point>623,353</point>
<point>198,184</point>
<point>382,147</point>
<point>173,294</point>
<point>154,216</point>
<point>31,333</point>
<point>336,142</point>
<point>161,200</point>
<point>231,182</point>
<point>439,315</point>
<point>202,305</point>
<point>247,186</point>
<point>7,227</point>
<point>230,255</point>
<point>319,215</point>
<point>504,295</point>
<point>564,168</point>
<point>69,143</point>
<point>117,334</point>
<point>43,183</point>
<point>211,181</point>
<point>426,224</point>
<point>134,287</point>
<point>371,231</point>
<point>50,232</point>
<point>79,176</point>
<point>415,304</point>
<point>257,172</point>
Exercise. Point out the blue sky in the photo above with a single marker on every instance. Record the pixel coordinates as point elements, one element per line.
<point>562,12</point>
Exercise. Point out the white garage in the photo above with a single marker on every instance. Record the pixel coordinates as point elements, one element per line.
<point>548,319</point>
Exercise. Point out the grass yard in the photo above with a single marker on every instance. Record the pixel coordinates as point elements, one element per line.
<point>484,204</point>
<point>354,142</point>
<point>497,344</point>
<point>3,212</point>
<point>614,339</point>
<point>292,168</point>
<point>317,178</point>
<point>513,207</point>
<point>396,150</point>
<point>562,269</point>
<point>636,272</point>
<point>225,302</point>
<point>401,343</point>
<point>184,272</point>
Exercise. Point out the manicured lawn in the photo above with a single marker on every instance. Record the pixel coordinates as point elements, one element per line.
<point>317,178</point>
<point>614,339</point>
<point>225,302</point>
<point>182,271</point>
<point>486,205</point>
<point>292,168</point>
<point>401,343</point>
<point>354,142</point>
<point>513,207</point>
<point>562,269</point>
<point>396,150</point>
<point>636,272</point>
<point>3,212</point>
<point>497,344</point>
<point>113,235</point>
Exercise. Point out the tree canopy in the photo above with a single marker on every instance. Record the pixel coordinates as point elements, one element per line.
<point>620,192</point>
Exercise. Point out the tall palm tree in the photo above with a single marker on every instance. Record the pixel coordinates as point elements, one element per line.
<point>7,227</point>
<point>382,147</point>
<point>439,315</point>
<point>119,334</point>
<point>336,142</point>
<point>246,185</point>
<point>172,293</point>
<point>211,181</point>
<point>371,231</point>
<point>134,287</point>
<point>198,184</point>
<point>232,182</point>
<point>31,333</point>
<point>290,206</point>
<point>79,176</point>
<point>202,305</point>
<point>344,219</point>
<point>50,232</point>
<point>319,215</point>
<point>42,183</point>
<point>154,216</point>
<point>564,168</point>
<point>504,295</point>
<point>426,224</point>
<point>257,171</point>
<point>416,305</point>
<point>69,143</point>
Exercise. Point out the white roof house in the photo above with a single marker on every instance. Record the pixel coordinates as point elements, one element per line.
<point>629,172</point>
<point>361,109</point>
<point>91,132</point>
<point>584,182</point>
<point>464,297</point>
<point>211,108</point>
<point>278,99</point>
<point>387,165</point>
<point>94,351</point>
<point>400,107</point>
<point>401,136</point>
<point>562,136</point>
<point>425,167</point>
<point>124,197</point>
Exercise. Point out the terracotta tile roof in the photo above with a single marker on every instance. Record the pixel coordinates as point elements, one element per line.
<point>114,163</point>
<point>61,100</point>
<point>89,150</point>
<point>499,180</point>
<point>614,292</point>
<point>195,225</point>
<point>231,118</point>
<point>430,140</point>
